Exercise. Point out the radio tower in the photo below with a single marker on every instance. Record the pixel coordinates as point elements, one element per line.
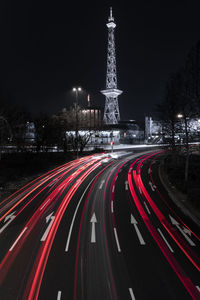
<point>111,110</point>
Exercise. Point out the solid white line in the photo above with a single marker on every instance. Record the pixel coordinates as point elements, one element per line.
<point>44,204</point>
<point>170,248</point>
<point>140,190</point>
<point>112,207</point>
<point>74,216</point>
<point>147,208</point>
<point>117,241</point>
<point>131,293</point>
<point>198,288</point>
<point>11,248</point>
<point>59,295</point>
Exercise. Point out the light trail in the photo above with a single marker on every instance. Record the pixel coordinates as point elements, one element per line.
<point>190,287</point>
<point>167,204</point>
<point>10,256</point>
<point>79,233</point>
<point>176,237</point>
<point>35,278</point>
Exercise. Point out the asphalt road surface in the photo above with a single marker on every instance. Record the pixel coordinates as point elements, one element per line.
<point>99,227</point>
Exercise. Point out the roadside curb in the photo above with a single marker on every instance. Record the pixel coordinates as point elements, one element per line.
<point>178,197</point>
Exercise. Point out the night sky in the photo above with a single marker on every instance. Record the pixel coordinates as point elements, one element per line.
<point>47,47</point>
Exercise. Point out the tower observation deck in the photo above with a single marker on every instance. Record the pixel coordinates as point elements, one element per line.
<point>111,110</point>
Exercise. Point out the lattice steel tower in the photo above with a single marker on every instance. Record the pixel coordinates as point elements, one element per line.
<point>111,110</point>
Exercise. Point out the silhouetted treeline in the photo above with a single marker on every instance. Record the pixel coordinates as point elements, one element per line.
<point>182,102</point>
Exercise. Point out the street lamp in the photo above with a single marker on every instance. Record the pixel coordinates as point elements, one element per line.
<point>76,90</point>
<point>179,116</point>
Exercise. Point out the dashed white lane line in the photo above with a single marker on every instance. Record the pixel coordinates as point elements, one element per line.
<point>147,208</point>
<point>11,248</point>
<point>168,245</point>
<point>112,207</point>
<point>131,293</point>
<point>59,295</point>
<point>117,241</point>
<point>113,188</point>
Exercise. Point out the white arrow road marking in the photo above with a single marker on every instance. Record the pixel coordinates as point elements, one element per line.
<point>131,293</point>
<point>49,217</point>
<point>117,241</point>
<point>11,248</point>
<point>198,288</point>
<point>152,186</point>
<point>175,223</point>
<point>134,222</point>
<point>126,185</point>
<point>187,231</point>
<point>11,217</point>
<point>59,295</point>
<point>101,185</point>
<point>147,208</point>
<point>168,245</point>
<point>93,221</point>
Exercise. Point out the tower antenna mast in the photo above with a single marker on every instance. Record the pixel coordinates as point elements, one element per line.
<point>111,110</point>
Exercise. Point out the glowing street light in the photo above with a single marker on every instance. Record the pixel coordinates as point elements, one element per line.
<point>179,116</point>
<point>76,90</point>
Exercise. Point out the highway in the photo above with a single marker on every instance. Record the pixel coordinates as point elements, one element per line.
<point>99,227</point>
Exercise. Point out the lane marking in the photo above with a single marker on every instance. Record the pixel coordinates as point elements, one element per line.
<point>175,223</point>
<point>198,288</point>
<point>168,245</point>
<point>113,188</point>
<point>140,190</point>
<point>134,222</point>
<point>126,185</point>
<point>11,217</point>
<point>59,295</point>
<point>45,204</point>
<point>74,216</point>
<point>93,234</point>
<point>112,207</point>
<point>117,241</point>
<point>11,248</point>
<point>101,185</point>
<point>149,171</point>
<point>146,206</point>
<point>152,186</point>
<point>131,293</point>
<point>48,218</point>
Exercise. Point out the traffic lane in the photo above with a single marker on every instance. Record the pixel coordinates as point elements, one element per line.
<point>182,234</point>
<point>47,183</point>
<point>98,271</point>
<point>172,232</point>
<point>155,176</point>
<point>37,230</point>
<point>21,217</point>
<point>63,254</point>
<point>150,274</point>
